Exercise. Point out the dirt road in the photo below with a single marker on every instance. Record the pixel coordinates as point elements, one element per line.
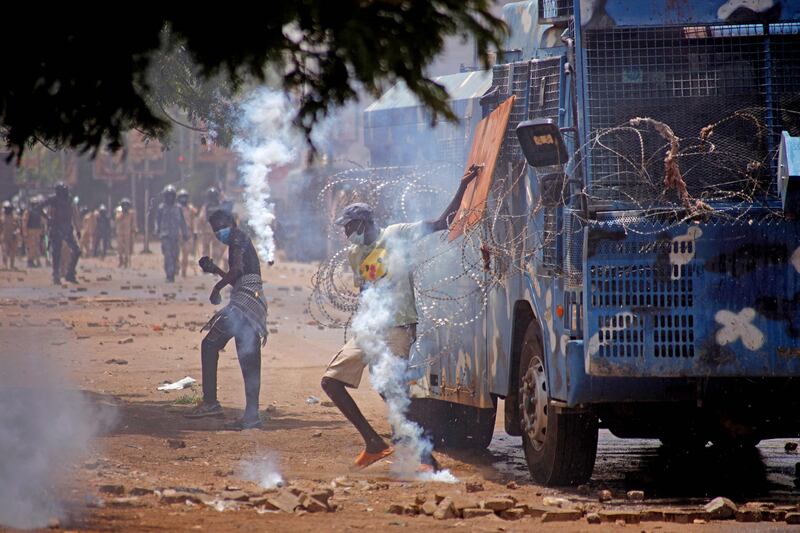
<point>120,334</point>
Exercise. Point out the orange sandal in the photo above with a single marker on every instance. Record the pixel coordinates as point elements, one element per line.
<point>365,459</point>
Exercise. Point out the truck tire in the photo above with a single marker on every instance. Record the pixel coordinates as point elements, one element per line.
<point>560,446</point>
<point>453,425</point>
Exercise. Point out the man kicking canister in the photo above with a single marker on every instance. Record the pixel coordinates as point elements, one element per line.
<point>243,319</point>
<point>369,243</point>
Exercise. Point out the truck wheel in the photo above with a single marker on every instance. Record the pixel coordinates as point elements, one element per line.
<point>560,447</point>
<point>453,425</point>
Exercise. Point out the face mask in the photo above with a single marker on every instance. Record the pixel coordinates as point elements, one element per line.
<point>223,235</point>
<point>356,238</point>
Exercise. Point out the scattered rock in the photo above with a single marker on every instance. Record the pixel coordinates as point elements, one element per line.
<point>130,501</point>
<point>140,491</point>
<point>627,517</point>
<point>552,501</point>
<point>561,515</point>
<point>792,518</point>
<point>699,521</point>
<point>748,515</point>
<point>54,523</point>
<point>635,495</point>
<point>316,434</point>
<point>235,495</point>
<point>170,496</point>
<point>677,516</point>
<point>473,486</point>
<point>604,495</point>
<point>512,485</point>
<point>396,508</point>
<point>476,513</point>
<point>721,508</point>
<point>512,514</point>
<point>285,500</point>
<point>126,340</point>
<point>312,505</point>
<point>176,443</point>
<point>116,362</point>
<point>498,504</point>
<point>323,495</point>
<point>537,511</point>
<point>593,518</point>
<point>445,510</point>
<point>430,507</point>
<point>117,490</point>
<point>312,400</point>
<point>652,515</point>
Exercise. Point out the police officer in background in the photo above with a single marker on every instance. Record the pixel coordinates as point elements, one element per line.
<point>33,231</point>
<point>63,219</point>
<point>190,216</point>
<point>102,236</point>
<point>211,247</point>
<point>171,229</point>
<point>126,232</point>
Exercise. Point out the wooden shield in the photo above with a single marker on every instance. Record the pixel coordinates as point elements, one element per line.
<point>489,136</point>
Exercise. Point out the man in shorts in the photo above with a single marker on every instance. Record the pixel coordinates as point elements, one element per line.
<point>368,258</point>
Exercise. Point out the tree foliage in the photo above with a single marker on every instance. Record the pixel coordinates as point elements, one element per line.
<point>78,81</point>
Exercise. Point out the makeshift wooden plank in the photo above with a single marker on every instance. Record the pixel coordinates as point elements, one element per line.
<point>485,149</point>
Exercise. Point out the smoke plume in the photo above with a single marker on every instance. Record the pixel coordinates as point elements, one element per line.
<point>263,471</point>
<point>266,140</point>
<point>378,305</point>
<point>45,430</point>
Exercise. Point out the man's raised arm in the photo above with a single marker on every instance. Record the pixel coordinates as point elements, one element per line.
<point>444,220</point>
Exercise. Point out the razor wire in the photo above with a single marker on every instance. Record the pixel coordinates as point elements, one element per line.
<point>656,174</point>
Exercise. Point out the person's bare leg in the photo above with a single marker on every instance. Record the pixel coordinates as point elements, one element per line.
<point>338,394</point>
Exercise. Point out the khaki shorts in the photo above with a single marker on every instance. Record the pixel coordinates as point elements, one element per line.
<point>348,364</point>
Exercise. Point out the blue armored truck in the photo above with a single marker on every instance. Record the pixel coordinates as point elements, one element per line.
<point>645,276</point>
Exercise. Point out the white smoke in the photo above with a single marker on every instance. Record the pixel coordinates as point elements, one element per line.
<point>389,373</point>
<point>267,140</point>
<point>45,429</point>
<point>263,471</point>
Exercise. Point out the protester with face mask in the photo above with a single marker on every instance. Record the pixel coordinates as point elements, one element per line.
<point>171,229</point>
<point>243,319</point>
<point>370,255</point>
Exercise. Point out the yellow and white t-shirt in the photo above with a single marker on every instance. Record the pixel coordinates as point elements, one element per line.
<point>389,260</point>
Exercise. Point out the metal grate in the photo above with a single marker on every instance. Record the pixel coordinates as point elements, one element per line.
<point>689,78</point>
<point>550,239</point>
<point>620,335</point>
<point>642,286</point>
<point>667,294</point>
<point>555,9</point>
<point>536,86</point>
<point>573,245</point>
<point>673,335</point>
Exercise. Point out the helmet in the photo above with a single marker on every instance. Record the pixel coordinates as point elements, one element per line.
<point>61,189</point>
<point>102,207</point>
<point>169,194</point>
<point>183,196</point>
<point>7,207</point>
<point>212,195</point>
<point>125,201</point>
